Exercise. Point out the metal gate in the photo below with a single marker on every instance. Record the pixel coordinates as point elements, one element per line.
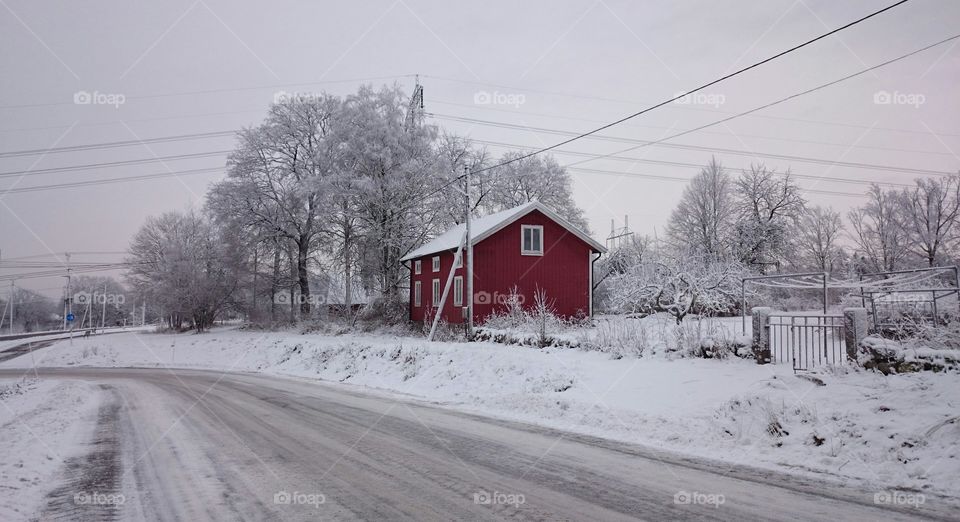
<point>806,340</point>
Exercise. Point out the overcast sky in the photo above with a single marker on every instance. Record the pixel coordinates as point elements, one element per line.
<point>188,67</point>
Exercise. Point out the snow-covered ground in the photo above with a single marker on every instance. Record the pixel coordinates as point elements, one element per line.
<point>42,424</point>
<point>882,432</point>
<point>6,344</point>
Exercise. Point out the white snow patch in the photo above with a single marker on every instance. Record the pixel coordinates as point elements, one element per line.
<point>899,431</point>
<point>42,424</point>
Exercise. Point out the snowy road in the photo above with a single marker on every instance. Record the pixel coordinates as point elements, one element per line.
<point>196,445</point>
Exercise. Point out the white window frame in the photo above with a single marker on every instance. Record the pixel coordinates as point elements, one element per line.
<point>417,266</point>
<point>523,231</point>
<point>417,294</point>
<point>435,293</point>
<point>436,263</point>
<point>458,291</point>
<point>458,261</point>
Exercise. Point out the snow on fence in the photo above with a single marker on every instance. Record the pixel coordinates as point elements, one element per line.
<point>805,339</point>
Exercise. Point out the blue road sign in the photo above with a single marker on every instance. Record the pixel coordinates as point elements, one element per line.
<point>70,317</point>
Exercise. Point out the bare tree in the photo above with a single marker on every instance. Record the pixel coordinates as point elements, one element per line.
<point>524,180</point>
<point>400,175</point>
<point>679,282</point>
<point>31,311</point>
<point>705,216</point>
<point>877,232</point>
<point>769,203</point>
<point>178,260</point>
<point>279,176</point>
<point>928,213</point>
<point>819,238</point>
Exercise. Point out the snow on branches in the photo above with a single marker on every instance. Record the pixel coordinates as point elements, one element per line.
<point>678,282</point>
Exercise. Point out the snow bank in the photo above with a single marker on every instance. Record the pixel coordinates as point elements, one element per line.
<point>882,432</point>
<point>42,424</point>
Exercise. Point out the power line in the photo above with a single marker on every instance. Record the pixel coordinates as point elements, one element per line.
<point>700,88</point>
<point>804,159</point>
<point>114,144</point>
<point>691,165</point>
<point>687,180</point>
<point>781,100</point>
<point>725,134</point>
<point>161,159</point>
<point>112,180</point>
<point>217,91</point>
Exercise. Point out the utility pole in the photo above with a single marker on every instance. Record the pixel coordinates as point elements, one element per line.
<point>12,291</point>
<point>69,303</point>
<point>469,245</point>
<point>103,310</point>
<point>143,312</point>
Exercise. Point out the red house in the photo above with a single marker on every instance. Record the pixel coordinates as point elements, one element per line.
<point>528,247</point>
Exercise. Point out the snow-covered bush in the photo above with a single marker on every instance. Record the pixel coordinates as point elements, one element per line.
<point>926,348</point>
<point>707,339</point>
<point>623,336</point>
<point>385,310</point>
<point>679,283</point>
<point>516,323</point>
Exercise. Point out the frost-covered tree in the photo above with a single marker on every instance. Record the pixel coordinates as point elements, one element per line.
<point>679,282</point>
<point>877,232</point>
<point>399,176</point>
<point>278,177</point>
<point>819,237</point>
<point>524,180</point>
<point>31,312</point>
<point>119,300</point>
<point>179,262</point>
<point>769,205</point>
<point>928,215</point>
<point>704,219</point>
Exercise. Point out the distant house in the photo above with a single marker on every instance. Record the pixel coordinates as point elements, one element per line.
<point>528,247</point>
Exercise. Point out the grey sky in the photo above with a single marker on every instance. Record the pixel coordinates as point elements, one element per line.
<point>188,67</point>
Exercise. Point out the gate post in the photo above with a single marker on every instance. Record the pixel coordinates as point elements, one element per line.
<point>854,330</point>
<point>761,334</point>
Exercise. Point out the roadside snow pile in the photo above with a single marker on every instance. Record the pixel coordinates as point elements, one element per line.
<point>900,431</point>
<point>881,431</point>
<point>42,424</point>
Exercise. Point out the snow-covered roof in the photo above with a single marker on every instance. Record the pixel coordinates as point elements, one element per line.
<point>483,227</point>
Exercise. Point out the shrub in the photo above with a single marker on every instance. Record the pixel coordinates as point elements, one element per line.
<point>624,336</point>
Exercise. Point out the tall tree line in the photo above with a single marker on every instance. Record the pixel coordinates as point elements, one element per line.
<point>760,218</point>
<point>323,199</point>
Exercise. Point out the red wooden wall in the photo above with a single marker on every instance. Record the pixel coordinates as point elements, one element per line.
<point>563,271</point>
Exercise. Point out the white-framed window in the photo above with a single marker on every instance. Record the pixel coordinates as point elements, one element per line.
<point>417,293</point>
<point>436,293</point>
<point>417,266</point>
<point>458,291</point>
<point>458,261</point>
<point>531,240</point>
<point>436,263</point>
